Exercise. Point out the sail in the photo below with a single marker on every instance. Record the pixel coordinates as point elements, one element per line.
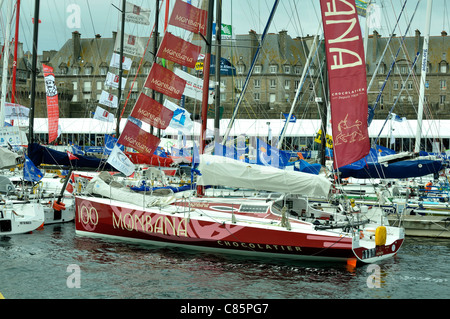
<point>347,80</point>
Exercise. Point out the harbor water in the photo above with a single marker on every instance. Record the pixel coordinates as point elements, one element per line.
<point>55,263</point>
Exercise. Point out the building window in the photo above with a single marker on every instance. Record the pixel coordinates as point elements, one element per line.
<point>441,99</point>
<point>273,69</point>
<point>443,84</point>
<point>75,70</point>
<point>443,67</point>
<point>287,69</point>
<point>257,83</point>
<point>287,84</point>
<point>75,85</point>
<point>395,85</point>
<point>298,70</point>
<point>258,69</point>
<point>100,85</point>
<point>241,69</point>
<point>410,85</point>
<point>273,84</point>
<point>87,86</point>
<point>272,97</point>
<point>296,84</point>
<point>257,96</point>
<point>88,70</point>
<point>239,84</point>
<point>103,70</point>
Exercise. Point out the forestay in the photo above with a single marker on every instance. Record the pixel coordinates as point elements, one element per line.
<point>223,171</point>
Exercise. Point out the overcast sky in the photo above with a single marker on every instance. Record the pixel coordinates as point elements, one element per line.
<point>59,18</point>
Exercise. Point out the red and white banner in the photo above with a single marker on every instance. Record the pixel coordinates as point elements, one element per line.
<point>138,139</point>
<point>165,81</point>
<point>188,17</point>
<point>136,14</point>
<point>132,45</point>
<point>108,99</point>
<point>150,111</point>
<point>347,81</point>
<point>103,115</point>
<point>112,80</point>
<point>52,102</point>
<point>179,51</point>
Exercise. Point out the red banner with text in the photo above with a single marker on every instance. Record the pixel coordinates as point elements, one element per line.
<point>165,81</point>
<point>347,81</point>
<point>151,112</point>
<point>188,17</point>
<point>138,139</point>
<point>52,102</point>
<point>179,51</point>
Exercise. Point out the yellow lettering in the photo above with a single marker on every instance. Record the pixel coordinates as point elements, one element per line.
<point>129,225</point>
<point>117,223</point>
<point>160,228</point>
<point>332,11</point>
<point>181,229</point>
<point>342,38</point>
<point>338,60</point>
<point>168,220</point>
<point>148,224</point>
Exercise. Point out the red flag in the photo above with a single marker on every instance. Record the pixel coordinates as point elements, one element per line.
<point>165,81</point>
<point>150,111</point>
<point>179,51</point>
<point>347,81</point>
<point>52,102</point>
<point>71,156</point>
<point>71,183</point>
<point>133,136</point>
<point>188,17</point>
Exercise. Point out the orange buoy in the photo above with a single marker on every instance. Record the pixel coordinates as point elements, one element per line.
<point>59,206</point>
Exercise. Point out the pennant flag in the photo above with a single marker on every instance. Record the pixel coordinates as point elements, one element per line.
<point>52,102</point>
<point>194,86</point>
<point>132,45</point>
<point>136,14</point>
<point>108,99</point>
<point>103,115</point>
<point>188,17</point>
<point>110,141</point>
<point>115,62</point>
<point>347,81</point>
<point>226,31</point>
<point>292,119</point>
<point>179,51</point>
<point>120,161</point>
<point>181,119</point>
<point>269,156</point>
<point>30,172</point>
<point>71,183</point>
<point>165,81</point>
<point>112,80</point>
<point>138,139</point>
<point>71,156</point>
<point>152,112</point>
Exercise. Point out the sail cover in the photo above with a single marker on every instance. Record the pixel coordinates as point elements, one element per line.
<point>347,80</point>
<point>223,171</point>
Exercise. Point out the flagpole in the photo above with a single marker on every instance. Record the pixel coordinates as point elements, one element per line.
<point>16,41</point>
<point>119,90</point>
<point>217,75</point>
<point>5,62</point>
<point>33,72</point>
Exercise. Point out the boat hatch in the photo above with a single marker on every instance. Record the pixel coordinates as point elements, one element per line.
<point>253,209</point>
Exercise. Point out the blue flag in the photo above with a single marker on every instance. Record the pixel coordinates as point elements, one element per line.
<point>269,155</point>
<point>30,172</point>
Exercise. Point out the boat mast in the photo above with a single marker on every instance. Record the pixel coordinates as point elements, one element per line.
<point>33,71</point>
<point>5,62</point>
<point>16,41</point>
<point>206,68</point>
<point>423,76</point>
<point>119,90</point>
<point>217,75</point>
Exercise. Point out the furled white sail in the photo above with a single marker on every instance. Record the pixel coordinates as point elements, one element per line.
<point>223,171</point>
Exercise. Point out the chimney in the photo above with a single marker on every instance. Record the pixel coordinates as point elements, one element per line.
<point>417,41</point>
<point>282,42</point>
<point>444,34</point>
<point>374,46</point>
<point>114,35</point>
<point>76,44</point>
<point>98,36</point>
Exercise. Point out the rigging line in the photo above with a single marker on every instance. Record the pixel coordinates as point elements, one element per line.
<point>398,97</point>
<point>394,62</point>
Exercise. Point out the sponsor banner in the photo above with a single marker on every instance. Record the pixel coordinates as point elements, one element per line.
<point>165,81</point>
<point>103,115</point>
<point>179,51</point>
<point>188,17</point>
<point>16,111</point>
<point>112,80</point>
<point>150,111</point>
<point>194,86</point>
<point>52,102</point>
<point>347,81</point>
<point>108,99</point>
<point>181,119</point>
<point>138,139</point>
<point>132,45</point>
<point>115,62</point>
<point>12,135</point>
<point>136,14</point>
<point>226,32</point>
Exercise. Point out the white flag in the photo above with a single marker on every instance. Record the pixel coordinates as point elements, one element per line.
<point>136,14</point>
<point>120,161</point>
<point>103,115</point>
<point>112,80</point>
<point>132,45</point>
<point>181,119</point>
<point>108,99</point>
<point>194,86</point>
<point>115,62</point>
